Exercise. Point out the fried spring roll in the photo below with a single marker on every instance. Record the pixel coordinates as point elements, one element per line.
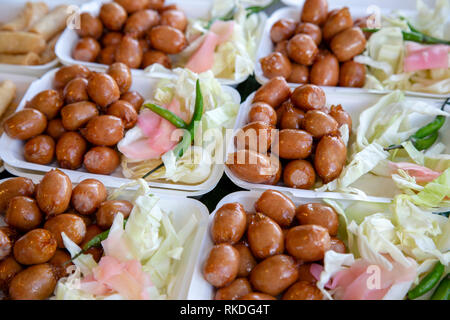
<point>7,94</point>
<point>53,23</point>
<point>21,42</point>
<point>26,59</point>
<point>49,53</point>
<point>31,13</point>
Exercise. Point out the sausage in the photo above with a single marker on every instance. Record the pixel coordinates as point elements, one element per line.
<point>101,160</point>
<point>60,263</point>
<point>310,29</point>
<point>303,290</point>
<point>70,150</point>
<point>92,231</point>
<point>318,214</point>
<point>299,174</point>
<point>221,266</point>
<point>274,274</point>
<point>134,98</point>
<point>125,111</point>
<point>304,273</point>
<point>36,246</point>
<point>282,30</point>
<point>109,209</point>
<point>257,296</point>
<point>319,123</point>
<point>87,49</point>
<point>107,55</point>
<point>274,92</point>
<point>111,39</point>
<point>174,18</point>
<point>76,115</point>
<point>302,49</point>
<point>103,89</point>
<point>8,269</point>
<point>235,290</point>
<point>348,43</point>
<point>104,130</point>
<point>76,91</point>
<point>34,283</point>
<point>72,225</point>
<point>55,128</point>
<point>39,149</point>
<point>325,71</point>
<point>54,192</point>
<point>6,244</point>
<point>299,74</point>
<point>281,47</point>
<point>129,52</point>
<point>337,21</point>
<point>246,260</point>
<point>152,56</point>
<point>337,245</point>
<point>113,16</point>
<point>167,39</point>
<point>308,97</point>
<point>25,124</point>
<point>229,224</point>
<point>314,11</point>
<point>132,5</point>
<point>139,22</point>
<point>253,167</point>
<point>292,118</point>
<point>352,74</point>
<point>329,160</point>
<point>265,237</point>
<point>14,187</point>
<point>67,73</point>
<point>276,64</point>
<point>23,213</point>
<point>90,26</point>
<point>122,75</point>
<point>294,144</point>
<point>88,195</point>
<point>263,112</point>
<point>308,242</point>
<point>341,116</point>
<point>255,136</point>
<point>276,206</point>
<point>49,102</point>
<point>156,4</point>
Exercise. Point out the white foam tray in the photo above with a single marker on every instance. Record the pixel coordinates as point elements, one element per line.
<point>182,209</point>
<point>357,10</point>
<point>11,150</point>
<point>376,188</point>
<point>194,9</point>
<point>200,289</point>
<point>11,8</point>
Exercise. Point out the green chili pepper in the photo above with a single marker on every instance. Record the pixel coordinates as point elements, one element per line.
<point>444,214</point>
<point>257,9</point>
<point>94,242</point>
<point>443,290</point>
<point>414,36</point>
<point>426,136</point>
<point>189,135</point>
<point>428,282</point>
<point>167,114</point>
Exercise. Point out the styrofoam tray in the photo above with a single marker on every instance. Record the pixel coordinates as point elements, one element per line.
<point>376,188</point>
<point>10,9</point>
<point>200,289</point>
<point>194,9</point>
<point>357,10</point>
<point>182,209</point>
<point>12,149</point>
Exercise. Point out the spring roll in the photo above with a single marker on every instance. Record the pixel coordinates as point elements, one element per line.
<point>7,95</point>
<point>21,42</point>
<point>26,59</point>
<point>53,23</point>
<point>31,13</point>
<point>49,53</point>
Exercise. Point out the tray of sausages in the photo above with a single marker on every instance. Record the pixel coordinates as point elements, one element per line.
<point>51,126</point>
<point>261,245</point>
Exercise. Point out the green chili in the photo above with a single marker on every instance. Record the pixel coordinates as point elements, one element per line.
<point>189,135</point>
<point>444,214</point>
<point>414,36</point>
<point>428,282</point>
<point>430,128</point>
<point>425,143</point>
<point>167,114</point>
<point>443,290</point>
<point>257,9</point>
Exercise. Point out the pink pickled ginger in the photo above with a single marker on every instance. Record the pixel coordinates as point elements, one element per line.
<point>420,173</point>
<point>424,57</point>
